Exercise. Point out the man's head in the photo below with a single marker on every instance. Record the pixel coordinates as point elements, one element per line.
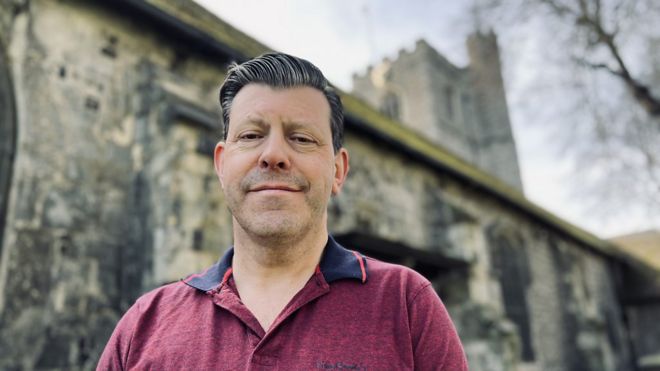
<point>279,70</point>
<point>282,158</point>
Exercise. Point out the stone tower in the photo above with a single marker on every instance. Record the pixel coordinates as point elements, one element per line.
<point>494,146</point>
<point>462,109</point>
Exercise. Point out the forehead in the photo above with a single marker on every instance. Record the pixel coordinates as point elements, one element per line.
<point>301,104</point>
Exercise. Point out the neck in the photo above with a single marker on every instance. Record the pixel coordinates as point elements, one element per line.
<point>261,261</point>
<point>268,274</point>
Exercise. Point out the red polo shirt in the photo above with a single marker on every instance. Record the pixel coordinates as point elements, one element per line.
<point>354,313</point>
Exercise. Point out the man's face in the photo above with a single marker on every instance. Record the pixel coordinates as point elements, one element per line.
<point>277,166</point>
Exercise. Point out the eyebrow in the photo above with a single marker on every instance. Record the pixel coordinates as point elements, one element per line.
<point>293,125</point>
<point>289,125</point>
<point>257,121</point>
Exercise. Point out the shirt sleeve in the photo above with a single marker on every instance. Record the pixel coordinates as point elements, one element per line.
<point>116,350</point>
<point>436,345</point>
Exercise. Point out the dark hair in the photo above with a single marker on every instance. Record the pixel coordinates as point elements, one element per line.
<point>281,70</point>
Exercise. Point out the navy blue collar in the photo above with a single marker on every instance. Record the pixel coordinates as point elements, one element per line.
<point>336,263</point>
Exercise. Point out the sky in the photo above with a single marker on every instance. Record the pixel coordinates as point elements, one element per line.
<point>343,37</point>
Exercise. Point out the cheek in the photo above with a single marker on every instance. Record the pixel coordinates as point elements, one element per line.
<point>330,177</point>
<point>234,165</point>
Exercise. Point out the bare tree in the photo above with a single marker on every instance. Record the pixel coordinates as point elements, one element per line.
<point>601,65</point>
<point>587,16</point>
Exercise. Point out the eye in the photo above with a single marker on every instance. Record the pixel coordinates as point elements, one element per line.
<point>302,139</point>
<point>249,135</point>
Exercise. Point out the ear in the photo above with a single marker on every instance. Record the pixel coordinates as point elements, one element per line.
<point>218,155</point>
<point>341,170</point>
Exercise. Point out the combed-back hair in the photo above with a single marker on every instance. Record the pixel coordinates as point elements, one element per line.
<point>279,70</point>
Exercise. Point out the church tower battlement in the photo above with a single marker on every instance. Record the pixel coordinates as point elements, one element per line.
<point>462,109</point>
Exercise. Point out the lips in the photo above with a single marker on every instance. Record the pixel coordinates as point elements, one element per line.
<point>257,181</point>
<point>274,187</point>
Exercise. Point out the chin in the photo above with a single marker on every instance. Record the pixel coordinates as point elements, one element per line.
<point>277,227</point>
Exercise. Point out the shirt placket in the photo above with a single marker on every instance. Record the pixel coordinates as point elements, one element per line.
<point>267,346</point>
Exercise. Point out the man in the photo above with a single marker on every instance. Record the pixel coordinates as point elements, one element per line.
<point>286,296</point>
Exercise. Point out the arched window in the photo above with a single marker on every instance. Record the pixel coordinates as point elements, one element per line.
<point>390,106</point>
<point>511,266</point>
<point>449,102</point>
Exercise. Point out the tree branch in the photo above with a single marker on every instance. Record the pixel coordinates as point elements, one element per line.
<point>593,23</point>
<point>596,66</point>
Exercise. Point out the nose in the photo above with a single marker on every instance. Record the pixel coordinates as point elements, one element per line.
<point>275,153</point>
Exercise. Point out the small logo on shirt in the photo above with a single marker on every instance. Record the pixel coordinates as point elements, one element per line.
<point>322,365</point>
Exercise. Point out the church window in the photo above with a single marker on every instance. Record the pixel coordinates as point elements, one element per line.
<point>449,102</point>
<point>390,106</point>
<point>511,266</point>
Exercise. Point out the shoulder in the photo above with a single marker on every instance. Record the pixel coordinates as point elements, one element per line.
<point>434,340</point>
<point>153,313</point>
<point>396,278</point>
<point>383,269</point>
<point>173,295</point>
<point>160,309</point>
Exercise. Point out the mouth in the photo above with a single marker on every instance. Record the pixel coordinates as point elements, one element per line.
<point>274,187</point>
